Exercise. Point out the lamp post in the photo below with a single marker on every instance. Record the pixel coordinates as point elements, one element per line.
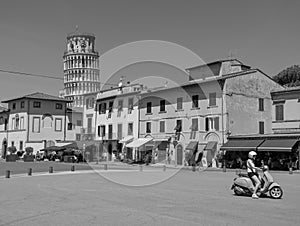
<point>83,150</point>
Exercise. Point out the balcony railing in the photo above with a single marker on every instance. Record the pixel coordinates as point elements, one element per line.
<point>109,136</point>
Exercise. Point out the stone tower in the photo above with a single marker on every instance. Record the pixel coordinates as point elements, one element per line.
<point>81,67</point>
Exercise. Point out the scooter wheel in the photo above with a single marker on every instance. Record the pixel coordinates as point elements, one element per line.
<point>276,192</point>
<point>237,191</point>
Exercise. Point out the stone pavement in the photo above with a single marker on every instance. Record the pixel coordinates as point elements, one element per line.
<point>186,198</point>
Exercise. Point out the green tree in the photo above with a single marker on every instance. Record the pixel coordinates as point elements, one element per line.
<point>289,76</point>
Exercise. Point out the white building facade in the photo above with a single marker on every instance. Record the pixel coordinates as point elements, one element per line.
<point>36,120</point>
<point>117,117</point>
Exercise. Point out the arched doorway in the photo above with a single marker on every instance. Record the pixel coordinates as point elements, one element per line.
<point>4,148</point>
<point>179,154</point>
<point>211,149</point>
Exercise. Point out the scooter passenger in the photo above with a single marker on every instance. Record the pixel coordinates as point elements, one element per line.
<point>252,172</point>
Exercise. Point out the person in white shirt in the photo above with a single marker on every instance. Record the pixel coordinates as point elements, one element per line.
<point>252,172</point>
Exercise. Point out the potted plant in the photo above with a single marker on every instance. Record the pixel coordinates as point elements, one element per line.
<point>12,157</point>
<point>28,157</point>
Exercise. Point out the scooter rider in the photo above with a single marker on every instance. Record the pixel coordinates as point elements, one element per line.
<point>252,172</point>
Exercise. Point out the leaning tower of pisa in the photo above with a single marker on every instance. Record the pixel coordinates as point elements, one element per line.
<point>81,68</point>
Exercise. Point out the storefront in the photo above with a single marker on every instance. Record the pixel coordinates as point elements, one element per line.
<point>137,149</point>
<point>279,152</point>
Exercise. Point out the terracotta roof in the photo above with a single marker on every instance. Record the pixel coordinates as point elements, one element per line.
<point>215,62</point>
<point>2,108</point>
<point>38,95</point>
<point>209,79</point>
<point>286,90</point>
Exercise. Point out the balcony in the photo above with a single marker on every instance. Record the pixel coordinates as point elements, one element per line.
<point>110,136</point>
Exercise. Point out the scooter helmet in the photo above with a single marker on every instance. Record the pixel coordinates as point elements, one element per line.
<point>251,154</point>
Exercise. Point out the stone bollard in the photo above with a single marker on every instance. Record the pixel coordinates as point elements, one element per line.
<point>29,171</point>
<point>105,166</point>
<point>224,168</point>
<point>164,168</point>
<point>50,169</point>
<point>72,168</point>
<point>141,168</point>
<point>7,175</point>
<point>290,170</point>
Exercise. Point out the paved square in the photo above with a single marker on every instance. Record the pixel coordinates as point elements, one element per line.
<point>187,198</point>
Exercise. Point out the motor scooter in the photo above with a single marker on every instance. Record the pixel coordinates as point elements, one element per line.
<point>243,185</point>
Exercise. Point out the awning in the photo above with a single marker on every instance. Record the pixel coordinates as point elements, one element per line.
<point>53,148</point>
<point>192,145</point>
<point>242,145</point>
<point>71,146</point>
<point>126,139</point>
<point>283,145</point>
<point>138,143</point>
<point>211,145</point>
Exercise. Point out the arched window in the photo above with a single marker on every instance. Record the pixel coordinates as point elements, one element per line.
<point>47,120</point>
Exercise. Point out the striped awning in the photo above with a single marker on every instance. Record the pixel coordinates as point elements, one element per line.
<point>242,145</point>
<point>279,145</point>
<point>138,143</point>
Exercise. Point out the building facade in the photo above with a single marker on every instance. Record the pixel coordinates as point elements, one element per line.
<point>191,122</point>
<point>81,68</point>
<point>36,120</point>
<point>285,110</point>
<point>117,118</point>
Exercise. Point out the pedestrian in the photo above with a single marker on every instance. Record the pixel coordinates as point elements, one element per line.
<point>252,172</point>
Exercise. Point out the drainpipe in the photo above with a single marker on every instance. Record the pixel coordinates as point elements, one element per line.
<point>28,119</point>
<point>95,132</point>
<point>65,124</point>
<point>222,117</point>
<point>138,121</point>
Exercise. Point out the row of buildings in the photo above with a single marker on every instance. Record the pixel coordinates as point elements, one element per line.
<point>223,105</point>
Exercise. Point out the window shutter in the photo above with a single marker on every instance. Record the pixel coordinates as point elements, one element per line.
<point>216,123</point>
<point>206,124</point>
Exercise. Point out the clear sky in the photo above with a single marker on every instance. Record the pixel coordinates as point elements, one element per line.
<point>262,34</point>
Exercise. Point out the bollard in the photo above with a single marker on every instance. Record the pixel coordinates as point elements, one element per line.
<point>7,174</point>
<point>141,168</point>
<point>50,169</point>
<point>290,170</point>
<point>224,168</point>
<point>105,166</point>
<point>194,168</point>
<point>164,168</point>
<point>29,172</point>
<point>72,168</point>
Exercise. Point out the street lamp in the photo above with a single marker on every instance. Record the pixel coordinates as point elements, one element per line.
<point>83,150</point>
